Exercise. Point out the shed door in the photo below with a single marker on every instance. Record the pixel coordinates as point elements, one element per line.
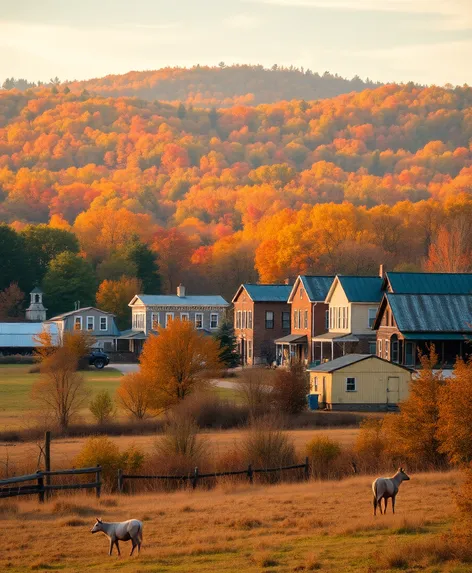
<point>393,390</point>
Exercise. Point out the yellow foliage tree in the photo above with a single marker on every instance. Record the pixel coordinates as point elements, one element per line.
<point>114,296</point>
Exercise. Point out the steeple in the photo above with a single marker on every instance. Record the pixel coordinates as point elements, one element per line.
<point>36,312</point>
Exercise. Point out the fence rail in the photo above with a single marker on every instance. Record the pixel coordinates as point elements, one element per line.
<point>195,476</point>
<point>8,487</point>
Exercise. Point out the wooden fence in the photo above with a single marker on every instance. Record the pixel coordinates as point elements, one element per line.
<point>194,477</point>
<point>12,487</point>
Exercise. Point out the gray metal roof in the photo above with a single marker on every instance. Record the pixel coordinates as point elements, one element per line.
<point>347,360</point>
<point>317,287</point>
<point>71,312</point>
<point>21,334</point>
<point>174,300</point>
<point>430,283</point>
<point>432,312</point>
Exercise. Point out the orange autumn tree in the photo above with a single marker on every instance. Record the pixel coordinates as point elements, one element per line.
<point>114,296</point>
<point>176,361</point>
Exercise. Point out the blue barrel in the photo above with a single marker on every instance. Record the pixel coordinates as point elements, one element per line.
<point>313,401</point>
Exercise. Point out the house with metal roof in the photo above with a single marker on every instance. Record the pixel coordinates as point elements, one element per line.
<point>408,324</point>
<point>261,315</point>
<point>96,322</point>
<point>353,302</point>
<point>359,382</point>
<point>309,318</point>
<point>206,312</point>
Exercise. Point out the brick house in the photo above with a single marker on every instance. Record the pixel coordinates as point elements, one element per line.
<point>353,302</point>
<point>421,309</point>
<point>309,319</point>
<point>261,315</point>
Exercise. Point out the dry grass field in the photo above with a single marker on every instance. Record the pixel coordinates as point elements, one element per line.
<point>23,455</point>
<point>325,526</point>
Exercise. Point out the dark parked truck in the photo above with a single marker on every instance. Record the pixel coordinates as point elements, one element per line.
<point>98,359</point>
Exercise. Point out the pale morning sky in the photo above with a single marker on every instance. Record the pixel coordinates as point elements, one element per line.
<point>427,41</point>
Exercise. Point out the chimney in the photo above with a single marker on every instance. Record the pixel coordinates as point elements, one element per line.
<point>381,272</point>
<point>286,281</point>
<point>181,290</point>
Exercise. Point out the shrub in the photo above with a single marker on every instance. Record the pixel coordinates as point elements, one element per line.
<point>323,452</point>
<point>254,389</point>
<point>371,444</point>
<point>100,450</point>
<point>266,446</point>
<point>102,407</point>
<point>289,389</point>
<point>210,411</point>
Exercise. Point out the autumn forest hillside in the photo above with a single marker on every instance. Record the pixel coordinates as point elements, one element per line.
<point>245,193</point>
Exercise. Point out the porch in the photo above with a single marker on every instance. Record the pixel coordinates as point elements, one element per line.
<point>290,348</point>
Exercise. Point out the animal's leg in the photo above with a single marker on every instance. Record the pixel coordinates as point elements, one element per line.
<point>375,505</point>
<point>111,547</point>
<point>118,547</point>
<point>386,502</point>
<point>393,504</point>
<point>134,545</point>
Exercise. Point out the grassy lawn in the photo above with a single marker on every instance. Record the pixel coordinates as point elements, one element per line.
<point>325,526</point>
<point>16,383</point>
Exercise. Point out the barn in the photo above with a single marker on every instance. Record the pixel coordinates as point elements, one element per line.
<point>359,382</point>
<point>19,337</point>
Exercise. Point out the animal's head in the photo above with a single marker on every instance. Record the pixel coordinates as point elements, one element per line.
<point>97,527</point>
<point>405,477</point>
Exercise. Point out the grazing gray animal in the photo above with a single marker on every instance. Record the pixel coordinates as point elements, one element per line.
<point>383,488</point>
<point>124,531</point>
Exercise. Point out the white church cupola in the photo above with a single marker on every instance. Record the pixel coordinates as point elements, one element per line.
<point>36,312</point>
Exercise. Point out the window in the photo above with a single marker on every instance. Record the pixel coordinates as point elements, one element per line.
<point>184,316</point>
<point>169,317</point>
<point>269,319</point>
<point>249,348</point>
<point>155,322</point>
<point>286,320</point>
<point>138,320</point>
<point>78,323</point>
<point>372,313</point>
<point>386,348</point>
<point>249,318</point>
<point>244,319</point>
<point>338,317</point>
<point>305,319</point>
<point>372,347</point>
<point>238,319</point>
<point>379,350</point>
<point>213,320</point>
<point>409,354</point>
<point>350,384</point>
<point>36,298</point>
<point>103,323</point>
<point>315,384</point>
<point>198,320</point>
<point>295,314</point>
<point>302,290</point>
<point>327,319</point>
<point>90,323</point>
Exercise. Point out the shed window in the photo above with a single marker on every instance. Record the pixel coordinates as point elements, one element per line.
<point>350,384</point>
<point>315,384</point>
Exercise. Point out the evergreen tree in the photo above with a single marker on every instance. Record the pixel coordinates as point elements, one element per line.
<point>14,260</point>
<point>228,354</point>
<point>69,279</point>
<point>147,269</point>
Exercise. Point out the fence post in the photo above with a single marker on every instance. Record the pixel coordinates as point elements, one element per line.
<point>195,478</point>
<point>98,479</point>
<point>47,460</point>
<point>306,469</point>
<point>40,486</point>
<point>120,481</point>
<point>250,474</point>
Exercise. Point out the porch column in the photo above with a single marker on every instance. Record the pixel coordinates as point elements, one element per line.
<point>332,349</point>
<point>321,352</point>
